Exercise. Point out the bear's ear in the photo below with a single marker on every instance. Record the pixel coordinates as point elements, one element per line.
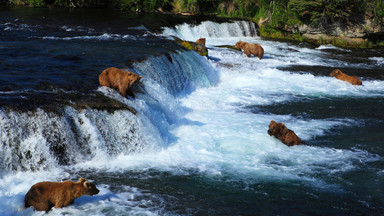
<point>87,184</point>
<point>82,180</point>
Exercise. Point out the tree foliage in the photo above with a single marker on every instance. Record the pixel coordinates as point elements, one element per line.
<point>280,12</point>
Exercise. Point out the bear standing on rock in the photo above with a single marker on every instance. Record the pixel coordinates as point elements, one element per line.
<point>201,41</point>
<point>120,80</point>
<point>354,80</point>
<point>285,135</point>
<point>250,48</point>
<point>45,195</point>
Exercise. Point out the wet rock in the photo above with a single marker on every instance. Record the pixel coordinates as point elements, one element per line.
<point>55,102</point>
<point>198,47</point>
<point>229,47</point>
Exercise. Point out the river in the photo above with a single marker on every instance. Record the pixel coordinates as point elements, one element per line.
<point>194,140</point>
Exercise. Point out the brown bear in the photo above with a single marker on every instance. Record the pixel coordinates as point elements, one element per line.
<point>201,41</point>
<point>45,195</point>
<point>120,80</point>
<point>354,80</point>
<point>285,135</point>
<point>250,48</point>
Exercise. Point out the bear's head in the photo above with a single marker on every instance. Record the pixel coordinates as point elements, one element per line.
<point>201,41</point>
<point>89,188</point>
<point>133,78</point>
<point>277,129</point>
<point>239,45</point>
<point>336,73</point>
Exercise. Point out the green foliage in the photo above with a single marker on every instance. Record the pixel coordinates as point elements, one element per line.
<point>238,8</point>
<point>189,6</point>
<point>62,3</point>
<point>376,7</point>
<point>37,3</point>
<point>306,10</point>
<point>143,5</point>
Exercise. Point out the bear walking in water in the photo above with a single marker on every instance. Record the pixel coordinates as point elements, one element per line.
<point>45,195</point>
<point>354,80</point>
<point>250,48</point>
<point>285,135</point>
<point>120,80</point>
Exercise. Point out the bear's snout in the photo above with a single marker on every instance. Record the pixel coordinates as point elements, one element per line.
<point>94,191</point>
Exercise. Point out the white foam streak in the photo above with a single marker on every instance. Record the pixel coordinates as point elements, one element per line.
<point>379,60</point>
<point>330,46</point>
<point>104,37</point>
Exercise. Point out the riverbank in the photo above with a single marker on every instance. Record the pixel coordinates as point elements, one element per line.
<point>358,25</point>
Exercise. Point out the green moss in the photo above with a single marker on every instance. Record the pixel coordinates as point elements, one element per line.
<point>229,47</point>
<point>186,44</point>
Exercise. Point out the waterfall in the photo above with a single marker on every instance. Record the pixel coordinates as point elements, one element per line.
<point>41,139</point>
<point>209,29</point>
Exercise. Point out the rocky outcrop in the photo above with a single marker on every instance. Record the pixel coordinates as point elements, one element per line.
<point>197,47</point>
<point>55,102</point>
<point>340,34</point>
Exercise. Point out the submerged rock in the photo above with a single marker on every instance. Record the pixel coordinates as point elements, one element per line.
<point>229,47</point>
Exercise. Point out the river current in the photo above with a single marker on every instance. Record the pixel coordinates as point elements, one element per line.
<point>197,142</point>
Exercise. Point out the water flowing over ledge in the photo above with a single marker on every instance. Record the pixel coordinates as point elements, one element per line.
<point>43,138</point>
<point>209,29</point>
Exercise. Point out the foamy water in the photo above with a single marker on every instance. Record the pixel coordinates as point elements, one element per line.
<point>203,126</point>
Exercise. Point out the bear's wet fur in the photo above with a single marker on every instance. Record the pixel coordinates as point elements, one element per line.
<point>120,80</point>
<point>45,195</point>
<point>354,80</point>
<point>250,48</point>
<point>285,135</point>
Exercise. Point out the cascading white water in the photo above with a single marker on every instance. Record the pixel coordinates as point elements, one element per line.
<point>209,29</point>
<point>40,140</point>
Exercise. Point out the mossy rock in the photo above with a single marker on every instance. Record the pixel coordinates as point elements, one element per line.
<point>197,47</point>
<point>229,47</point>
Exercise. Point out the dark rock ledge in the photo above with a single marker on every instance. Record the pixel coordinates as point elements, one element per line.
<point>56,101</point>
